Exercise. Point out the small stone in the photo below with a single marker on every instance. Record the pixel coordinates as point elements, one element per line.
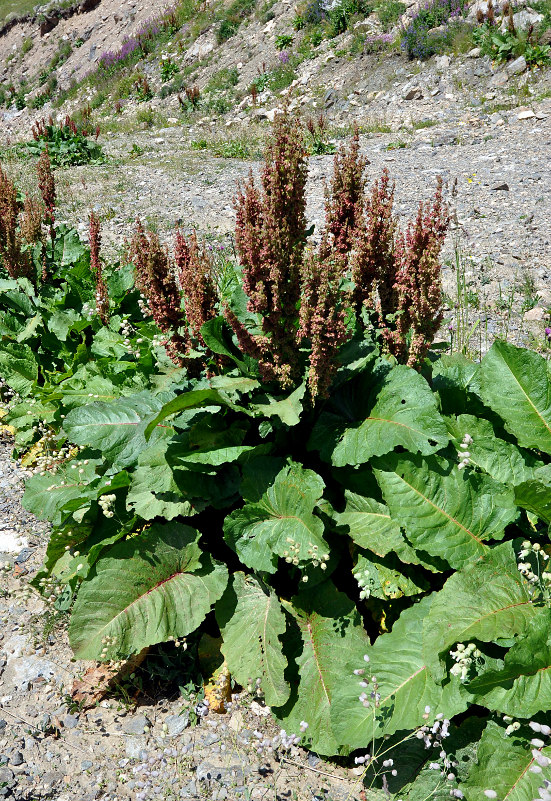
<point>499,79</point>
<point>177,723</point>
<point>135,725</point>
<point>442,62</point>
<point>70,721</point>
<point>474,53</point>
<point>517,67</point>
<point>6,776</point>
<point>415,93</point>
<point>236,721</point>
<point>537,314</point>
<point>527,114</point>
<point>17,758</point>
<point>501,186</point>
<point>135,746</point>
<point>86,764</point>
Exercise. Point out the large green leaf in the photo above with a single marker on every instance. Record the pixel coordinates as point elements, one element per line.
<point>485,601</point>
<point>116,428</point>
<point>61,322</point>
<point>446,512</point>
<point>503,765</point>
<point>251,621</point>
<point>148,588</point>
<point>211,442</point>
<point>155,491</point>
<point>535,496</point>
<point>18,366</point>
<point>52,496</point>
<point>197,398</point>
<point>386,578</point>
<point>516,383</point>
<point>502,460</point>
<point>523,687</point>
<point>453,377</point>
<point>405,686</point>
<point>288,409</point>
<point>399,410</point>
<point>370,525</point>
<point>331,636</point>
<point>282,523</point>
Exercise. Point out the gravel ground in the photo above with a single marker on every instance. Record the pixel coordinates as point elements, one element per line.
<point>140,749</point>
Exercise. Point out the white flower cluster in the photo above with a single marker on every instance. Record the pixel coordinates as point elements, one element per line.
<point>541,761</point>
<point>286,741</point>
<point>105,503</point>
<point>374,696</point>
<point>433,735</point>
<point>464,656</point>
<point>525,568</point>
<point>281,741</point>
<point>318,560</point>
<point>513,726</point>
<point>50,457</point>
<point>50,588</point>
<point>107,642</point>
<point>544,791</point>
<point>88,310</point>
<point>126,331</point>
<point>464,455</point>
<point>255,686</point>
<point>292,555</point>
<point>143,305</point>
<point>363,578</point>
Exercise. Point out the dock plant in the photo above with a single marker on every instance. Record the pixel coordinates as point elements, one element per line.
<point>276,452</point>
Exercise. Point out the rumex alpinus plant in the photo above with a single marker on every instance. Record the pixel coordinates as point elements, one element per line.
<point>17,230</point>
<point>372,554</point>
<point>70,141</point>
<point>270,239</point>
<point>102,298</point>
<point>196,277</point>
<point>156,281</point>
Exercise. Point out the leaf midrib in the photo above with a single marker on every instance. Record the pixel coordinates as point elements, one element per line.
<point>443,512</point>
<point>534,407</point>
<point>317,661</point>
<point>144,595</point>
<point>403,684</point>
<point>494,612</point>
<point>396,423</point>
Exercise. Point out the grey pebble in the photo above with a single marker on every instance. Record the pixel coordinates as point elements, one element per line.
<point>6,776</point>
<point>177,723</point>
<point>135,725</point>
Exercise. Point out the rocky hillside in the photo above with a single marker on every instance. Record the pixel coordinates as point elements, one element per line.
<point>356,60</point>
<point>184,95</point>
